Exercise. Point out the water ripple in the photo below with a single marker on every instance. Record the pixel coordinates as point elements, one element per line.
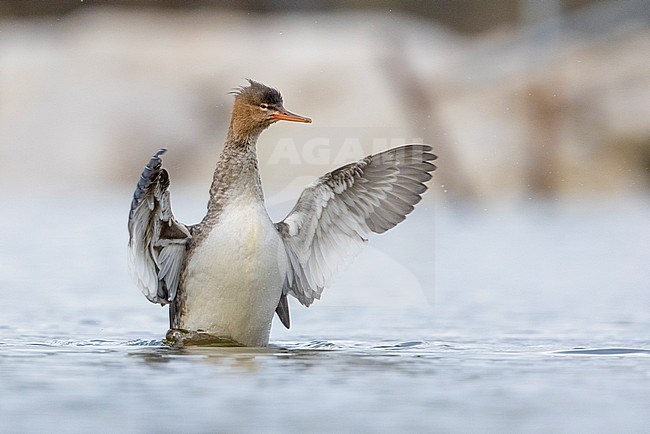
<point>402,345</point>
<point>604,351</point>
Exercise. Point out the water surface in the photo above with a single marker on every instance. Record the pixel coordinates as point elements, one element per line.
<point>530,319</point>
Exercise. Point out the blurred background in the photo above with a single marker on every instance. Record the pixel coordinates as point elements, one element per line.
<point>521,98</point>
<point>527,103</point>
<point>532,239</point>
<point>538,111</point>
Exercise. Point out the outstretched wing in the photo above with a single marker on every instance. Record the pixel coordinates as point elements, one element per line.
<point>156,240</point>
<point>335,214</point>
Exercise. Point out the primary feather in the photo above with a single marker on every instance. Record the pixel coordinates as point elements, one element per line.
<point>156,240</point>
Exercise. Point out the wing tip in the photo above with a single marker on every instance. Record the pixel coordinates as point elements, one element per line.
<point>282,311</point>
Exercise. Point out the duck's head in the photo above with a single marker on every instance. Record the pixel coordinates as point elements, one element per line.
<point>256,107</point>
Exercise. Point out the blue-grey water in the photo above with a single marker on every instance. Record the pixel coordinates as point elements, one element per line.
<point>519,318</point>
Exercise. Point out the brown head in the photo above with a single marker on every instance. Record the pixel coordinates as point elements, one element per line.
<point>256,107</point>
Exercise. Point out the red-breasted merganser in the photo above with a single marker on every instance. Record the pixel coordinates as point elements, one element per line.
<point>225,276</point>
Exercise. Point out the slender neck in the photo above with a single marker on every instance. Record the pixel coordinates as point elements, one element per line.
<point>237,173</point>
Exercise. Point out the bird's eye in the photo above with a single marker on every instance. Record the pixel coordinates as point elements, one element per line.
<point>264,106</point>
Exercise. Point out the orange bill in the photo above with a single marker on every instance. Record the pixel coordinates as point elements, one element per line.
<point>285,115</point>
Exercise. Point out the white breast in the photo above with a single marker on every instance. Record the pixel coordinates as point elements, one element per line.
<point>234,278</point>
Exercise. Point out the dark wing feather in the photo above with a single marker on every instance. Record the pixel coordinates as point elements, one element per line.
<point>156,240</point>
<point>283,310</point>
<point>336,213</point>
